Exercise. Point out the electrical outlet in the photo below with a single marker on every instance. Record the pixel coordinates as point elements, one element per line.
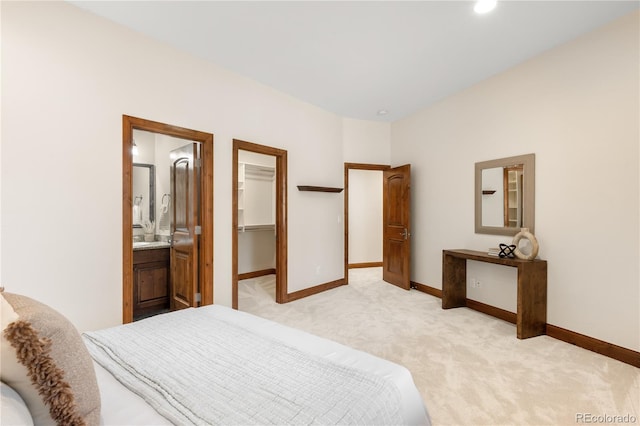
<point>474,283</point>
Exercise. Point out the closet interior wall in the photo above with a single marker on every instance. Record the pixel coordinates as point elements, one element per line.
<point>256,212</point>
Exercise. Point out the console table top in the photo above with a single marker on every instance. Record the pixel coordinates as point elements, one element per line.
<point>484,257</point>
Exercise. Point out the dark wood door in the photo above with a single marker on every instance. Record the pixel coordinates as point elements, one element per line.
<point>185,192</point>
<point>396,250</point>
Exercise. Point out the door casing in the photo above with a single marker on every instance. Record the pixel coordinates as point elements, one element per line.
<point>282,295</point>
<point>206,206</point>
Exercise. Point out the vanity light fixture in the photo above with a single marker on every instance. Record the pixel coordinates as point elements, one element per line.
<point>134,149</point>
<point>484,6</point>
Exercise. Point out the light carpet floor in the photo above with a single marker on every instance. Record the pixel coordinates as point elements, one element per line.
<point>469,367</point>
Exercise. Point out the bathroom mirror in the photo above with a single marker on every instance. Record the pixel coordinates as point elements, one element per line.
<point>505,195</point>
<point>144,193</point>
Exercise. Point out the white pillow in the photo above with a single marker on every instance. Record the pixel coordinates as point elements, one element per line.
<point>13,410</point>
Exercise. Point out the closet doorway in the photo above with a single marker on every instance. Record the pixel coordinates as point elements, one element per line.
<point>259,208</point>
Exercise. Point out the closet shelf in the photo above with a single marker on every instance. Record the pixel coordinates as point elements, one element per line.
<point>263,227</point>
<point>318,188</point>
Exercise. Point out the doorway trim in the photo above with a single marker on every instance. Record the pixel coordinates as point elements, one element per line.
<point>281,217</point>
<point>347,167</point>
<point>206,206</point>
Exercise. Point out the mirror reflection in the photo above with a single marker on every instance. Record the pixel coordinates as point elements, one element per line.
<point>143,194</point>
<point>504,195</point>
<point>513,178</point>
<point>502,201</point>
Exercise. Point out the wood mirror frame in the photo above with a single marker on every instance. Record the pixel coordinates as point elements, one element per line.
<point>528,221</point>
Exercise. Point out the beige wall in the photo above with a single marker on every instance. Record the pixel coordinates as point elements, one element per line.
<point>67,79</point>
<point>366,141</point>
<point>577,108</point>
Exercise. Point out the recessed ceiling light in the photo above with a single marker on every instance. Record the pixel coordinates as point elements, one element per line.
<point>383,112</point>
<point>484,6</point>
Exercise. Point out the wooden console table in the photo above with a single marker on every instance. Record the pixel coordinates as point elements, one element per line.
<point>531,317</point>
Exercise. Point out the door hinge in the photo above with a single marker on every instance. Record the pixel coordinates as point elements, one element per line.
<point>197,230</point>
<point>198,297</point>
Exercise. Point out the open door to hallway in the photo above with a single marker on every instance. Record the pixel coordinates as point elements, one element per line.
<point>397,226</point>
<point>396,222</point>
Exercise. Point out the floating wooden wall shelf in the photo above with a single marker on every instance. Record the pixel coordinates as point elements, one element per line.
<point>318,188</point>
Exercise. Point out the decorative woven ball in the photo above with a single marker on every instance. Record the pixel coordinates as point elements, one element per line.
<point>524,233</point>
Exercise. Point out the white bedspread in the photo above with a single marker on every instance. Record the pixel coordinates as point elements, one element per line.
<point>198,366</point>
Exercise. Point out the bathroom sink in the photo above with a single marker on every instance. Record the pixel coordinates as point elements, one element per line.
<point>150,244</point>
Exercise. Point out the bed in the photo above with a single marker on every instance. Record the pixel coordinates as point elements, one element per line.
<point>215,365</point>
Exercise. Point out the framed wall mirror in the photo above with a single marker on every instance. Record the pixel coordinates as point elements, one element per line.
<point>505,195</point>
<point>144,194</point>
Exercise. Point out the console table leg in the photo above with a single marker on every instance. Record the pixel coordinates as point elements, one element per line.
<point>454,282</point>
<point>532,300</point>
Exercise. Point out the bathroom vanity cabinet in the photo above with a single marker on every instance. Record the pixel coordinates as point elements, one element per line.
<point>151,274</point>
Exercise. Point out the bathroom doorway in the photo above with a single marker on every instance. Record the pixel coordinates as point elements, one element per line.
<point>147,281</point>
<point>259,225</point>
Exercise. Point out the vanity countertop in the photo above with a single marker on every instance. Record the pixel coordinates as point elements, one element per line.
<point>150,245</point>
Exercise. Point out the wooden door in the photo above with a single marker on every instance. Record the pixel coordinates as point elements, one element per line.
<point>185,229</point>
<point>396,249</point>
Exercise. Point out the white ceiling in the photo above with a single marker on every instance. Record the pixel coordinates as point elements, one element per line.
<point>357,57</point>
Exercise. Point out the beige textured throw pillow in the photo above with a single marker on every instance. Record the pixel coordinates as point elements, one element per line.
<point>46,362</point>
